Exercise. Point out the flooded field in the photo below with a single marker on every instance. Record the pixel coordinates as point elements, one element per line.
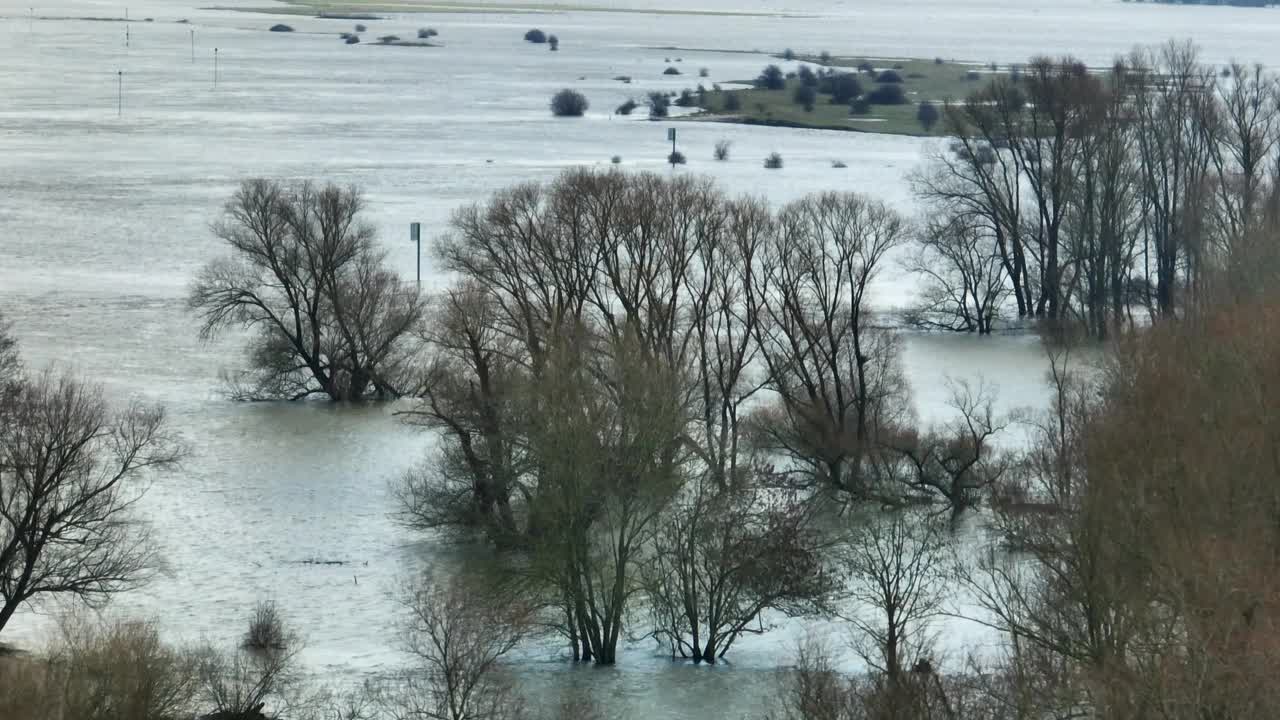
<point>115,159</point>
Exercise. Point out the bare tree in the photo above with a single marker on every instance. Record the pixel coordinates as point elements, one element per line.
<point>898,584</point>
<point>306,277</point>
<point>242,682</point>
<point>721,558</point>
<point>10,360</point>
<point>956,461</point>
<point>835,376</point>
<point>965,282</point>
<point>71,470</point>
<point>457,636</point>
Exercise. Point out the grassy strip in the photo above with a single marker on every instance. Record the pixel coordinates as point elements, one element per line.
<point>923,80</point>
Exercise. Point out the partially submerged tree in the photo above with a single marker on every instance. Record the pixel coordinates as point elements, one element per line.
<point>305,277</point>
<point>71,470</point>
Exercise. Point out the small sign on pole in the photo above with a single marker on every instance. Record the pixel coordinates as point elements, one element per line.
<point>415,237</point>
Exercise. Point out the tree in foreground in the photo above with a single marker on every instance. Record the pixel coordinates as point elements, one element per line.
<point>71,470</point>
<point>569,103</point>
<point>304,275</point>
<point>927,115</point>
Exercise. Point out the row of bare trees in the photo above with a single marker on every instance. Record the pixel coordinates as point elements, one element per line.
<point>1094,199</point>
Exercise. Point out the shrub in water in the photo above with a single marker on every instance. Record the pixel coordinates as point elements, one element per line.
<point>281,28</point>
<point>554,42</point>
<point>928,115</point>
<point>676,158</point>
<point>824,57</point>
<point>616,159</point>
<point>887,95</point>
<point>659,105</point>
<point>788,54</point>
<point>773,162</point>
<point>535,36</point>
<point>703,72</point>
<point>626,107</point>
<point>353,39</point>
<point>888,76</point>
<point>722,150</point>
<point>772,78</point>
<point>568,103</point>
<point>361,28</point>
<point>389,39</point>
<point>937,61</point>
<point>266,629</point>
<point>807,77</point>
<point>425,33</point>
<point>861,106</point>
<point>671,71</point>
<point>732,103</point>
<point>866,67</point>
<point>838,164</point>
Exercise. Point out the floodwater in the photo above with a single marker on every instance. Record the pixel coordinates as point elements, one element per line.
<point>108,182</point>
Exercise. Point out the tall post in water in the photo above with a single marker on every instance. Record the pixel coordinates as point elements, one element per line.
<point>119,93</point>
<point>415,236</point>
<point>215,67</point>
<point>193,47</point>
<point>126,36</point>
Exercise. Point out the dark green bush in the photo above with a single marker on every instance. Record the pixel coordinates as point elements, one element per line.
<point>569,103</point>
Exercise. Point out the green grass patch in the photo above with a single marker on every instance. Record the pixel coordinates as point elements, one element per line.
<point>922,80</point>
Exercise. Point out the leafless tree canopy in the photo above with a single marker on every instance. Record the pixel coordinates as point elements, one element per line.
<point>305,277</point>
<point>71,469</point>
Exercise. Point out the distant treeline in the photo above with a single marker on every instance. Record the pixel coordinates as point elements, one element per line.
<point>1236,3</point>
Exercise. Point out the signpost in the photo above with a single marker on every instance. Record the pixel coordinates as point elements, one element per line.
<point>415,237</point>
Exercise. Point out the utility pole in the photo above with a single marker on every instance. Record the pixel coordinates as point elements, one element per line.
<point>119,93</point>
<point>415,237</point>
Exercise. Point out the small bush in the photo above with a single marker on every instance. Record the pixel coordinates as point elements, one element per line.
<point>861,106</point>
<point>686,99</point>
<point>732,103</point>
<point>928,116</point>
<point>773,162</point>
<point>281,28</point>
<point>425,33</point>
<point>866,67</point>
<point>788,54</point>
<point>888,76</point>
<point>898,66</point>
<point>722,150</point>
<point>824,57</point>
<point>616,159</point>
<point>385,39</point>
<point>554,42</point>
<point>627,107</point>
<point>676,158</point>
<point>805,96</point>
<point>659,105</point>
<point>845,88</point>
<point>569,103</point>
<point>838,164</point>
<point>353,39</point>
<point>266,629</point>
<point>535,36</point>
<point>623,78</point>
<point>973,75</point>
<point>361,28</point>
<point>807,76</point>
<point>704,72</point>
<point>671,71</point>
<point>938,61</point>
<point>771,78</point>
<point>344,35</point>
<point>887,95</point>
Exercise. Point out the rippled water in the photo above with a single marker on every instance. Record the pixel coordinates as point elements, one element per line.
<point>103,220</point>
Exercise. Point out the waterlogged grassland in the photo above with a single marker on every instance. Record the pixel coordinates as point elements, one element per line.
<point>922,80</point>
